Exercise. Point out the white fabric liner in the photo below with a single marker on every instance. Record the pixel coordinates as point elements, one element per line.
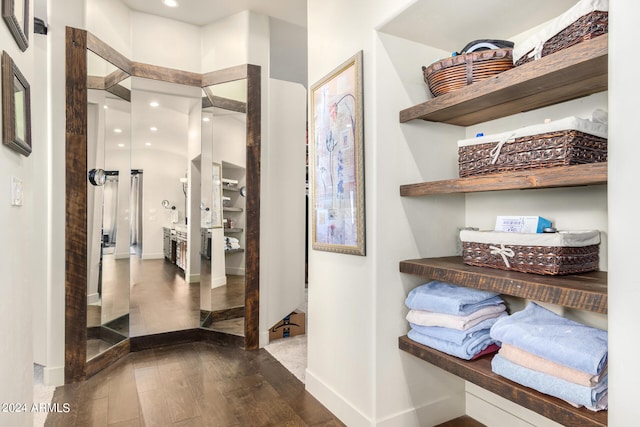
<point>568,123</point>
<point>562,238</point>
<point>556,25</point>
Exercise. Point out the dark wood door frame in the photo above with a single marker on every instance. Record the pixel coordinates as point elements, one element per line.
<point>78,42</point>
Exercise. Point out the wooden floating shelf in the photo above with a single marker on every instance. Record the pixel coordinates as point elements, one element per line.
<point>479,372</point>
<point>587,291</point>
<point>562,176</point>
<point>574,72</point>
<point>233,230</point>
<point>233,251</point>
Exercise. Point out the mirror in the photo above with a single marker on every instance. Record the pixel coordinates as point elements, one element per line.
<point>223,171</point>
<point>108,170</point>
<point>165,291</point>
<point>147,204</point>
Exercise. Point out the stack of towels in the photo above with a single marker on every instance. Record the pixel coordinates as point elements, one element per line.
<point>231,243</point>
<point>454,319</point>
<point>553,355</point>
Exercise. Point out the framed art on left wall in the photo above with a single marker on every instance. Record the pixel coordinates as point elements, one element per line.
<point>16,15</point>
<point>337,160</point>
<point>16,107</point>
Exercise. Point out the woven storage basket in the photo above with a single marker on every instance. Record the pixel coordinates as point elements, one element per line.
<point>588,26</point>
<point>459,71</point>
<point>557,148</point>
<point>529,258</point>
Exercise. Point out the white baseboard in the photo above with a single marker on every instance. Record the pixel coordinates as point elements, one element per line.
<point>53,376</point>
<point>93,298</point>
<point>218,281</point>
<point>236,271</point>
<point>123,255</point>
<point>153,256</point>
<point>194,278</point>
<point>429,414</point>
<point>338,405</point>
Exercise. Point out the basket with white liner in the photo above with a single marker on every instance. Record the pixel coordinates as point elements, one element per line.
<point>564,252</point>
<point>587,19</point>
<point>564,142</point>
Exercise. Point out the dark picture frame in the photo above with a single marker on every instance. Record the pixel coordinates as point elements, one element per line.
<point>337,155</point>
<point>16,15</point>
<point>16,107</point>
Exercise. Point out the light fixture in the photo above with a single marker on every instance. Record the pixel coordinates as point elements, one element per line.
<point>153,129</point>
<point>117,130</point>
<point>206,119</point>
<point>154,104</point>
<point>148,144</point>
<point>121,145</point>
<point>170,3</point>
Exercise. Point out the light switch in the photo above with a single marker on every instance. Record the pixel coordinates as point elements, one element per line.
<point>16,191</point>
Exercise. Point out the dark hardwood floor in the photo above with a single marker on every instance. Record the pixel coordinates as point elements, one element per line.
<point>194,384</point>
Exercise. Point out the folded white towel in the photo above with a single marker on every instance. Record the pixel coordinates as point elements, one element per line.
<point>461,323</point>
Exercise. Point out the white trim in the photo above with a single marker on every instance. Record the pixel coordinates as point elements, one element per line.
<point>93,298</point>
<point>429,414</point>
<point>53,376</point>
<point>216,282</point>
<point>337,404</point>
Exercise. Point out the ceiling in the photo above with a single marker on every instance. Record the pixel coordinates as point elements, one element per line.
<point>202,12</point>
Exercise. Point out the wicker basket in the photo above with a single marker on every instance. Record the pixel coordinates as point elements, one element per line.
<point>459,71</point>
<point>587,27</point>
<point>558,148</point>
<point>526,258</point>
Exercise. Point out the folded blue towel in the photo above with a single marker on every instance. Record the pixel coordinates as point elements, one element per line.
<point>445,298</point>
<point>455,336</point>
<point>472,345</point>
<point>593,398</point>
<point>544,333</point>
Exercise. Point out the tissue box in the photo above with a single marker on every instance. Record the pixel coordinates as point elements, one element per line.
<point>521,224</point>
<point>565,252</point>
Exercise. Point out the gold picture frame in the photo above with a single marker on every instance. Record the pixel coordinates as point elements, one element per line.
<point>337,160</point>
<point>16,15</point>
<point>16,107</point>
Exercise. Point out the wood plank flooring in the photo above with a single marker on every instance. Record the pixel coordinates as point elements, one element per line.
<point>194,384</point>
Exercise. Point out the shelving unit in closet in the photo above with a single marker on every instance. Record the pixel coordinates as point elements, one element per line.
<point>575,72</point>
<point>233,180</point>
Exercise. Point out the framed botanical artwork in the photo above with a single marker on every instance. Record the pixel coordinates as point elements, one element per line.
<point>16,107</point>
<point>16,14</point>
<point>337,160</point>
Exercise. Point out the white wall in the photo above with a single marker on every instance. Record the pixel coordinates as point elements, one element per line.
<point>287,51</point>
<point>624,282</point>
<point>283,201</point>
<point>18,268</point>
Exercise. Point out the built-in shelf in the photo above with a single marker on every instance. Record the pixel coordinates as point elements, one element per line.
<point>233,251</point>
<point>233,230</point>
<point>586,291</point>
<point>231,209</point>
<point>562,176</point>
<point>479,372</point>
<point>571,73</point>
<point>230,188</point>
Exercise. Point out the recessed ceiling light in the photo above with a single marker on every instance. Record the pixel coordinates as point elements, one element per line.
<point>154,103</point>
<point>205,119</point>
<point>153,128</point>
<point>120,145</point>
<point>170,3</point>
<point>148,144</point>
<point>106,107</point>
<point>117,130</point>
